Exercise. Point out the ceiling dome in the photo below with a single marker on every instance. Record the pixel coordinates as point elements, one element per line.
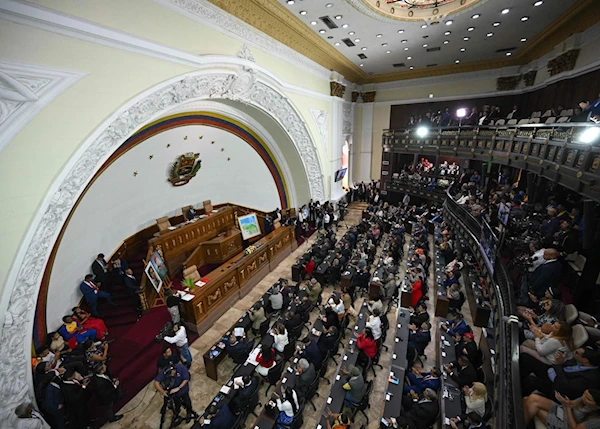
<point>415,10</point>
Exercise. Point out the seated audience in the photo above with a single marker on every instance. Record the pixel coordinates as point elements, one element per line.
<point>288,406</point>
<point>280,337</point>
<point>538,356</point>
<point>422,414</point>
<point>420,380</point>
<point>89,323</point>
<point>245,387</point>
<point>579,413</point>
<point>235,345</point>
<point>419,315</point>
<point>257,316</point>
<point>327,340</point>
<point>311,352</point>
<point>305,376</point>
<point>367,347</point>
<point>266,360</point>
<point>462,371</point>
<point>419,338</point>
<point>355,386</point>
<point>92,293</point>
<point>72,332</point>
<point>374,322</point>
<point>218,416</point>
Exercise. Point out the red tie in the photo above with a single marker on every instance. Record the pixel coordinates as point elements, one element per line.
<point>93,286</point>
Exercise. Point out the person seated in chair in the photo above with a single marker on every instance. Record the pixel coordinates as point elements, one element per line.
<point>333,273</point>
<point>473,421</point>
<point>456,326</point>
<point>280,337</point>
<point>367,347</point>
<point>311,352</point>
<point>419,338</point>
<point>355,386</point>
<point>467,346</point>
<point>423,413</point>
<point>361,278</point>
<point>292,321</point>
<point>257,316</point>
<point>420,380</point>
<point>70,329</point>
<point>303,306</point>
<point>190,213</point>
<point>235,345</point>
<point>276,299</point>
<point>419,314</point>
<point>305,376</point>
<point>462,371</point>
<point>245,387</point>
<point>327,340</point>
<point>266,361</point>
<point>218,417</point>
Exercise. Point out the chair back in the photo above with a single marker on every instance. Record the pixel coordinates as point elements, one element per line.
<point>192,272</point>
<point>275,372</point>
<point>364,402</point>
<point>184,211</point>
<point>550,120</point>
<point>324,363</point>
<point>163,223</point>
<point>489,410</point>
<point>501,122</point>
<point>312,389</point>
<point>288,351</point>
<point>580,335</point>
<point>562,119</point>
<point>264,328</point>
<point>512,122</point>
<point>523,121</point>
<point>294,334</point>
<point>336,344</point>
<point>571,313</point>
<point>252,402</point>
<point>239,357</point>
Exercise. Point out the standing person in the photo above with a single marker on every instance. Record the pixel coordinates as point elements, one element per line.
<point>173,305</point>
<point>174,381</point>
<point>52,401</point>
<point>181,341</point>
<point>76,398</point>
<point>29,418</point>
<point>91,292</point>
<point>100,269</point>
<point>107,391</point>
<point>132,286</point>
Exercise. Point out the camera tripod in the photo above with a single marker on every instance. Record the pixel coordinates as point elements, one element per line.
<point>169,402</point>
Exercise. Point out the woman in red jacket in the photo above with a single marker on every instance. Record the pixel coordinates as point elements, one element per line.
<point>266,360</point>
<point>367,345</point>
<point>417,292</point>
<point>309,267</point>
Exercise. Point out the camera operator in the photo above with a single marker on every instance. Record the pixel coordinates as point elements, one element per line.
<point>174,382</point>
<point>545,276</point>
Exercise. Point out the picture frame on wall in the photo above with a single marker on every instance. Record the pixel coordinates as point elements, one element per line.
<point>154,277</point>
<point>249,226</point>
<point>158,264</point>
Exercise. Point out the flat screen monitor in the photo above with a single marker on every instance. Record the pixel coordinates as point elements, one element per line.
<point>503,213</point>
<point>340,174</point>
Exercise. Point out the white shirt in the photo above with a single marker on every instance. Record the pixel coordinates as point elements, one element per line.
<point>280,341</point>
<point>286,406</point>
<point>339,308</point>
<point>539,261</point>
<point>179,339</point>
<point>374,323</point>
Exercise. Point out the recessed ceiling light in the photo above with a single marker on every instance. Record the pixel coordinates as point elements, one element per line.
<point>538,3</point>
<point>430,95</point>
<point>508,54</point>
<point>357,40</point>
<point>449,22</point>
<point>496,24</point>
<point>302,12</point>
<point>406,49</point>
<point>447,33</point>
<point>400,31</point>
<point>457,61</point>
<point>388,52</point>
<point>424,26</point>
<point>462,49</point>
<point>337,43</point>
<point>362,65</point>
<point>466,38</point>
<point>403,41</point>
<point>476,16</point>
<point>384,44</point>
<point>290,1</point>
<point>490,34</point>
<point>523,39</point>
<point>505,11</point>
<point>411,67</point>
<point>351,33</point>
<point>425,45</point>
<point>379,35</point>
<point>345,26</point>
<point>321,31</point>
<point>525,18</point>
<point>329,5</point>
<point>313,22</point>
<point>470,28</point>
<point>338,17</point>
<point>409,58</point>
<point>364,48</point>
<point>446,42</point>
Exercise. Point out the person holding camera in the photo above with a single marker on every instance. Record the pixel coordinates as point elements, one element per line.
<point>174,383</point>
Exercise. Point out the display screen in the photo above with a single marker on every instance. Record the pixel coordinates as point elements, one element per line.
<point>340,174</point>
<point>503,212</point>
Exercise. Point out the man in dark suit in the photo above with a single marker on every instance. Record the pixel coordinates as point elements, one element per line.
<point>327,340</point>
<point>91,292</point>
<point>304,306</point>
<point>100,269</point>
<point>190,213</point>
<point>570,379</point>
<point>245,389</point>
<point>420,338</point>
<point>107,391</point>
<point>76,398</point>
<point>218,417</point>
<point>419,315</point>
<point>544,277</point>
<point>131,287</point>
<point>305,375</point>
<point>421,415</point>
<point>468,347</point>
<point>292,321</point>
<point>236,345</point>
<point>463,372</point>
<point>312,353</point>
<point>361,279</point>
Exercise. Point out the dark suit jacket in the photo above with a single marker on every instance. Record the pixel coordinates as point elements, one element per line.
<point>544,277</point>
<point>88,293</point>
<point>98,271</point>
<point>239,347</point>
<point>304,380</point>
<point>104,390</point>
<point>293,323</point>
<point>464,376</point>
<point>419,340</point>
<point>242,396</point>
<point>418,319</point>
<point>361,279</point>
<point>573,384</point>
<point>130,283</point>
<point>224,419</point>
<point>325,343</point>
<point>422,415</point>
<point>312,353</point>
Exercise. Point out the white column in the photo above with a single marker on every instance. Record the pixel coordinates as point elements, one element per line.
<point>337,141</point>
<point>366,143</point>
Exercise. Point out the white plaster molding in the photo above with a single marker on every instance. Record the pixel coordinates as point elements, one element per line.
<point>56,22</point>
<point>322,121</point>
<point>348,118</point>
<point>22,287</point>
<point>25,89</point>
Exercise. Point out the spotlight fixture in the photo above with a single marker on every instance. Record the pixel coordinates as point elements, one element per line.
<point>403,41</point>
<point>523,39</point>
<point>476,16</point>
<point>344,25</point>
<point>430,95</point>
<point>422,132</point>
<point>364,48</point>
<point>457,61</point>
<point>505,11</point>
<point>424,26</point>
<point>411,67</point>
<point>329,5</point>
<point>409,58</point>
<point>589,135</point>
<point>525,18</point>
<point>461,113</point>
<point>466,38</point>
<point>400,31</point>
<point>302,12</point>
<point>337,43</point>
<point>449,22</point>
<point>508,54</point>
<point>384,44</point>
<point>351,33</point>
<point>462,49</point>
<point>362,65</point>
<point>425,45</point>
<point>388,52</point>
<point>291,2</point>
<point>406,49</point>
<point>357,40</point>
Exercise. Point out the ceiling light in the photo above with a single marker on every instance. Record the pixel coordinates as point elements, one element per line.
<point>321,31</point>
<point>496,24</point>
<point>388,52</point>
<point>430,95</point>
<point>462,49</point>
<point>447,33</point>
<point>508,54</point>
<point>338,17</point>
<point>466,38</point>
<point>364,48</point>
<point>449,22</point>
<point>409,58</point>
<point>313,22</point>
<point>362,65</point>
<point>302,12</point>
<point>357,40</point>
<point>345,26</point>
<point>337,43</point>
<point>329,5</point>
<point>538,3</point>
<point>351,33</point>
<point>379,35</point>
<point>290,1</point>
<point>411,67</point>
<point>403,41</point>
<point>400,31</point>
<point>425,45</point>
<point>525,18</point>
<point>424,26</point>
<point>384,44</point>
<point>470,28</point>
<point>505,11</point>
<point>457,61</point>
<point>523,39</point>
<point>446,42</point>
<point>406,49</point>
<point>476,16</point>
<point>490,34</point>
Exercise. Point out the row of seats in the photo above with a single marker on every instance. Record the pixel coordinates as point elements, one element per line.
<point>532,120</point>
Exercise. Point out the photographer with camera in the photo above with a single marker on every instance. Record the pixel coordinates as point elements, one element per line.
<point>173,383</point>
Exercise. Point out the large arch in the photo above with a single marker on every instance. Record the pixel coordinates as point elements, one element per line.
<point>244,85</point>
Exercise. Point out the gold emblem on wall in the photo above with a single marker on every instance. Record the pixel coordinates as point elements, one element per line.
<point>184,168</point>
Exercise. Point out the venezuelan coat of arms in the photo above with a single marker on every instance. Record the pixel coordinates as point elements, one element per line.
<point>184,168</point>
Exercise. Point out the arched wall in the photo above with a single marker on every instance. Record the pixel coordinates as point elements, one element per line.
<point>244,85</point>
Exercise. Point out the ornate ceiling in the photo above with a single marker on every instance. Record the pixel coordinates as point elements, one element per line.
<point>415,10</point>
